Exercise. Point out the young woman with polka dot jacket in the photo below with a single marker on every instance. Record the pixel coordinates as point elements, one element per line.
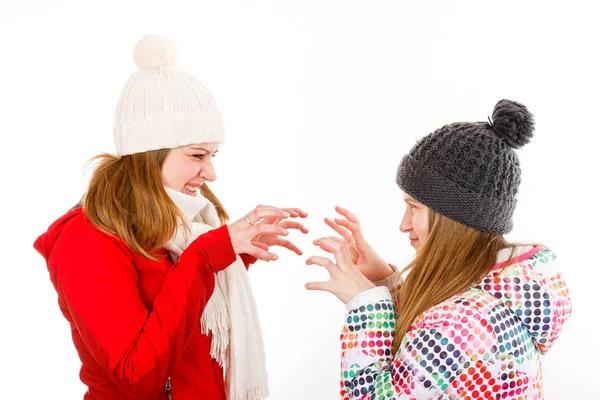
<point>472,314</point>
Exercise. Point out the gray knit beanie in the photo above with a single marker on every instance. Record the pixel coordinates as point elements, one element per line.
<point>469,171</point>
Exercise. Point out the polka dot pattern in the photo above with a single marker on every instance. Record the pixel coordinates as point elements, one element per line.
<point>482,344</point>
<point>369,331</point>
<point>542,303</point>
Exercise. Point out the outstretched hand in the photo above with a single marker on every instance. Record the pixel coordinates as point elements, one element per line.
<point>346,280</point>
<point>262,228</point>
<point>271,239</point>
<point>369,263</point>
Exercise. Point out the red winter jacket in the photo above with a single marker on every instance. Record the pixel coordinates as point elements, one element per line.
<point>134,321</point>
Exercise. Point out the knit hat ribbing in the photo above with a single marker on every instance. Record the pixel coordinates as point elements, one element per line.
<point>469,171</point>
<point>162,106</point>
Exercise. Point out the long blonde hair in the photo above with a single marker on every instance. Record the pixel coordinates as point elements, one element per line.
<point>452,259</point>
<point>126,198</point>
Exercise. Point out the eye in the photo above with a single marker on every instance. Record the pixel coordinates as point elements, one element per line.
<point>199,156</point>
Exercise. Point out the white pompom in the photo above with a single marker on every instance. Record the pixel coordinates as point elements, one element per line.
<point>155,51</point>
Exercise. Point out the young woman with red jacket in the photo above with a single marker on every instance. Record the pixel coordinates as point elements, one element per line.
<point>149,276</point>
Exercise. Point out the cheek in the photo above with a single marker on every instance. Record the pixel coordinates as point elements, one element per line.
<point>421,224</point>
<point>168,174</point>
<point>176,175</point>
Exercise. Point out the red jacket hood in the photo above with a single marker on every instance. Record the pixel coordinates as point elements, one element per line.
<point>45,242</point>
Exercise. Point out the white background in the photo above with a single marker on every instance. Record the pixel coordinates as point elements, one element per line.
<point>321,99</point>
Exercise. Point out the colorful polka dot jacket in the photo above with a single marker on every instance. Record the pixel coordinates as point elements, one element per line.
<point>485,343</point>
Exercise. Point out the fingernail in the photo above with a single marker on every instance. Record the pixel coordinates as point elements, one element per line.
<point>275,257</point>
<point>287,214</point>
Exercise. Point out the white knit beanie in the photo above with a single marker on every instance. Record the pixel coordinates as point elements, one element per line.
<point>162,106</point>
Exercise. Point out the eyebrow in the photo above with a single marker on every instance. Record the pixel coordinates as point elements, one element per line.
<point>202,149</point>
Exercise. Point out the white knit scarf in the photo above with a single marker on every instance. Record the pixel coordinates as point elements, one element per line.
<point>230,315</point>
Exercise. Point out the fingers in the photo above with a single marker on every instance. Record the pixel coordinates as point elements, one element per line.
<point>293,212</point>
<point>339,249</point>
<point>323,262</point>
<point>339,229</point>
<point>347,214</point>
<point>255,251</point>
<point>261,229</point>
<point>288,245</point>
<point>351,226</point>
<point>296,212</point>
<point>287,224</point>
<point>261,212</point>
<point>324,286</point>
<point>260,245</point>
<point>265,220</point>
<point>336,239</point>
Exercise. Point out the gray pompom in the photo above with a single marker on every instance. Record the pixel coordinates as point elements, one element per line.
<point>513,122</point>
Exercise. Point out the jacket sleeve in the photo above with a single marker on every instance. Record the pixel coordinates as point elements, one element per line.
<point>437,358</point>
<point>137,346</point>
<point>248,260</point>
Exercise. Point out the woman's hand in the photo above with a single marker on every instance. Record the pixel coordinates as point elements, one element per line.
<point>346,280</point>
<point>260,223</point>
<point>368,262</point>
<point>271,239</point>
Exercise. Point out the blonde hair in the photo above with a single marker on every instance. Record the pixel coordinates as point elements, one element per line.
<point>126,198</point>
<point>452,259</point>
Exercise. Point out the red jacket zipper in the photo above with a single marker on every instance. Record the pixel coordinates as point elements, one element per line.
<point>168,389</point>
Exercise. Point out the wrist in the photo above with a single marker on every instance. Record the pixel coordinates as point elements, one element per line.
<point>378,270</point>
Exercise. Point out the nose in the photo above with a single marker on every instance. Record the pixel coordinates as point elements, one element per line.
<point>208,172</point>
<point>406,224</point>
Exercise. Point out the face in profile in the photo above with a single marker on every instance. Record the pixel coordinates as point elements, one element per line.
<point>187,168</point>
<point>415,221</point>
